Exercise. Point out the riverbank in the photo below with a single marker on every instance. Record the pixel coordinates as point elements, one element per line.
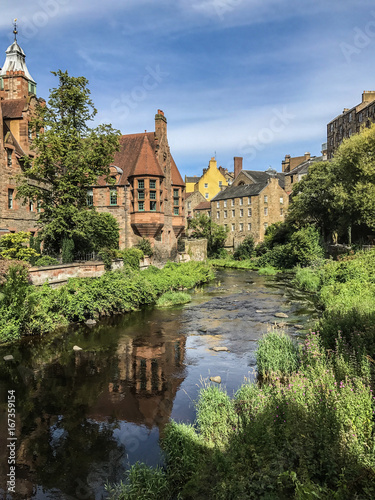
<point>30,310</point>
<point>299,433</point>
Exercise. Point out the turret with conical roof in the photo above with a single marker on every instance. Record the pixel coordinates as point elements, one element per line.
<point>15,79</point>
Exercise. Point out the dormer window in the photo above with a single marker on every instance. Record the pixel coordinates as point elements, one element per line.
<point>32,88</point>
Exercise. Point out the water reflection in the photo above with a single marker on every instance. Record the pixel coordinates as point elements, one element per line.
<point>82,416</point>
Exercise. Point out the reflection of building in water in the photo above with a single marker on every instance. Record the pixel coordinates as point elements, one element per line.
<point>148,376</point>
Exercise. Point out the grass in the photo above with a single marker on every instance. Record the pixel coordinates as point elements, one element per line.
<point>268,271</point>
<point>277,354</point>
<point>169,299</point>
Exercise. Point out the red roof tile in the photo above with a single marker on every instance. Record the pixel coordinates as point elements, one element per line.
<point>204,205</point>
<point>13,108</point>
<point>176,177</point>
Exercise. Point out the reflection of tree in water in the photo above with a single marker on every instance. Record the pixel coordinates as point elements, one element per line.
<point>68,404</point>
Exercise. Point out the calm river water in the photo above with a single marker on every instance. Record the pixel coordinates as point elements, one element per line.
<point>83,417</point>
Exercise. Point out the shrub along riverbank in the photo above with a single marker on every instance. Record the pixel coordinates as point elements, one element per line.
<point>305,430</point>
<point>29,310</point>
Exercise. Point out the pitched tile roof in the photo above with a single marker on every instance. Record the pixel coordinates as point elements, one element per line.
<point>303,167</point>
<point>192,179</point>
<point>258,176</point>
<point>13,108</point>
<point>176,176</point>
<point>240,191</point>
<point>204,205</point>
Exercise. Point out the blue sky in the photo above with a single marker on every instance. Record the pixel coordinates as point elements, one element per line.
<point>252,78</point>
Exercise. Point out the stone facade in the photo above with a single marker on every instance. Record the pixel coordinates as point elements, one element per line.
<point>254,201</point>
<point>192,200</point>
<point>350,122</point>
<point>297,167</point>
<point>17,106</point>
<point>147,193</point>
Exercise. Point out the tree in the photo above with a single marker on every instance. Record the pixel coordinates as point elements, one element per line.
<point>201,226</point>
<point>69,158</point>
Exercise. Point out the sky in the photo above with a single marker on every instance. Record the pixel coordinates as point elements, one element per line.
<point>253,78</point>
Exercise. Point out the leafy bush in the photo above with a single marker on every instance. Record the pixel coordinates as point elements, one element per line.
<point>132,257</point>
<point>145,245</point>
<point>107,255</point>
<point>245,250</point>
<point>46,260</point>
<point>13,247</point>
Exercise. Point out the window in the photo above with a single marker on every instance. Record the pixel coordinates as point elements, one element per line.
<point>225,214</point>
<point>331,127</point>
<point>206,196</point>
<point>141,195</point>
<point>249,212</point>
<point>152,184</point>
<point>350,117</point>
<point>360,117</point>
<point>225,225</point>
<point>10,198</point>
<point>89,197</point>
<point>241,201</point>
<point>233,213</point>
<point>249,200</point>
<point>152,195</point>
<point>141,184</point>
<point>206,185</point>
<point>31,205</point>
<point>241,212</point>
<point>225,203</point>
<point>218,215</point>
<point>176,211</point>
<point>1,83</point>
<point>39,206</point>
<point>9,157</point>
<point>265,198</point>
<point>32,88</point>
<point>189,205</point>
<point>241,226</point>
<point>232,203</point>
<point>141,206</point>
<point>113,196</point>
<point>291,179</point>
<point>265,225</point>
<point>350,132</point>
<point>281,200</point>
<point>218,204</point>
<point>249,226</point>
<point>233,227</point>
<point>153,206</point>
<point>281,211</point>
<point>265,211</point>
<point>220,184</point>
<point>29,132</point>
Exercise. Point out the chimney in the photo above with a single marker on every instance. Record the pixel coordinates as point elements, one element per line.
<point>237,165</point>
<point>368,95</point>
<point>307,156</point>
<point>160,124</point>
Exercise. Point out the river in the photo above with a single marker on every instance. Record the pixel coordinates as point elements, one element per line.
<point>82,417</point>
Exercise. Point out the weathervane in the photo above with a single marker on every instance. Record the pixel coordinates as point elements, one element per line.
<point>15,29</point>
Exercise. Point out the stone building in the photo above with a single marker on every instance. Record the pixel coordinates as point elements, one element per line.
<point>350,122</point>
<point>295,168</point>
<point>17,105</point>
<point>192,200</point>
<point>254,201</point>
<point>212,181</point>
<point>203,208</point>
<point>147,193</point>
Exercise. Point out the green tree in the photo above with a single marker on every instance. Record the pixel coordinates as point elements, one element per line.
<point>202,226</point>
<point>14,246</point>
<point>69,158</point>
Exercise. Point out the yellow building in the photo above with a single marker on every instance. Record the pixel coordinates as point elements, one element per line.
<point>211,182</point>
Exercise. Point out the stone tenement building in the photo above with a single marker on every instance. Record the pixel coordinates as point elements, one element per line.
<point>147,196</point>
<point>254,201</point>
<point>192,200</point>
<point>350,122</point>
<point>295,168</point>
<point>17,105</point>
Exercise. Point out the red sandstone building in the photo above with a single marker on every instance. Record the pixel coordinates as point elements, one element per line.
<point>147,194</point>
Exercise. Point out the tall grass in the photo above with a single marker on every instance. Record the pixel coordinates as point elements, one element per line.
<point>277,354</point>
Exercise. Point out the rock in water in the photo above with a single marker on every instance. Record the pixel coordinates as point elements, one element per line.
<point>8,358</point>
<point>77,348</point>
<point>216,379</point>
<point>281,315</point>
<point>90,322</point>
<point>219,349</point>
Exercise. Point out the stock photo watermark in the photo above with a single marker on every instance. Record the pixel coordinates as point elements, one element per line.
<point>28,26</point>
<point>223,7</point>
<point>128,102</point>
<point>12,440</point>
<point>362,38</point>
<point>277,124</point>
